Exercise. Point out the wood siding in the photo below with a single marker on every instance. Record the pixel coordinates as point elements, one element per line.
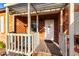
<point>3,35</point>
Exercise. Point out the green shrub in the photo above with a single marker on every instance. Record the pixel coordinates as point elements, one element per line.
<point>2,45</point>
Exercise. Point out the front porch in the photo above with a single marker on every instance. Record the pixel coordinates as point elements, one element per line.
<point>25,41</point>
<point>18,40</point>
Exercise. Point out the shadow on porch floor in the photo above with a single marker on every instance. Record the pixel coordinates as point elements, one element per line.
<point>47,48</point>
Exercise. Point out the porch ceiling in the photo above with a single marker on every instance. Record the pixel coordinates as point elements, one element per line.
<point>22,7</point>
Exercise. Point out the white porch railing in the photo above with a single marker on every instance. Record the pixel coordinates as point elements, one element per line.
<point>36,40</point>
<point>63,43</point>
<point>19,43</point>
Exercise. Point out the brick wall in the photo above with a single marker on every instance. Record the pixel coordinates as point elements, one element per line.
<point>22,21</point>
<point>66,20</point>
<point>42,19</point>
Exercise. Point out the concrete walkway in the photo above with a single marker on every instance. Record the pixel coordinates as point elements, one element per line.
<point>49,48</point>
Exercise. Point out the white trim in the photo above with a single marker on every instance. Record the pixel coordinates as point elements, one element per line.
<point>2,24</point>
<point>76,23</point>
<point>29,19</point>
<point>61,21</point>
<point>7,19</point>
<point>71,30</point>
<point>61,40</point>
<point>13,27</point>
<point>40,12</point>
<point>37,22</point>
<point>9,4</point>
<point>29,26</point>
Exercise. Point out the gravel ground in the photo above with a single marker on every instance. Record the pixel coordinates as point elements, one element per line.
<point>2,52</point>
<point>76,54</point>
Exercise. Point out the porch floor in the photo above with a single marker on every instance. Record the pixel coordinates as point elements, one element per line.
<point>47,47</point>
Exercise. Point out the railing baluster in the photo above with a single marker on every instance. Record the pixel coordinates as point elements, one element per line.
<point>12,42</point>
<point>29,44</point>
<point>15,42</point>
<point>25,44</point>
<point>18,42</point>
<point>32,43</point>
<point>66,44</point>
<point>21,44</point>
<point>9,42</point>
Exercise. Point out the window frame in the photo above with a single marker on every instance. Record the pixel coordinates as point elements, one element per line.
<point>1,24</point>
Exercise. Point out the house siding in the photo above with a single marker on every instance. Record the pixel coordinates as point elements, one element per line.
<point>3,36</point>
<point>21,21</point>
<point>21,25</point>
<point>66,20</point>
<point>11,23</point>
<point>42,19</point>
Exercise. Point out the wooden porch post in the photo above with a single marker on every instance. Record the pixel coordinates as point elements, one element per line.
<point>62,40</point>
<point>13,23</point>
<point>29,26</point>
<point>37,22</point>
<point>7,19</point>
<point>71,29</point>
<point>61,30</point>
<point>61,21</point>
<point>7,27</point>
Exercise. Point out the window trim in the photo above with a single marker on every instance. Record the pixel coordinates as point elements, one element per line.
<point>2,24</point>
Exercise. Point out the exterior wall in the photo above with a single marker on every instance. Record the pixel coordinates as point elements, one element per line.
<point>42,19</point>
<point>11,23</point>
<point>76,7</point>
<point>76,18</point>
<point>66,20</point>
<point>56,28</point>
<point>20,24</point>
<point>22,21</point>
<point>3,35</point>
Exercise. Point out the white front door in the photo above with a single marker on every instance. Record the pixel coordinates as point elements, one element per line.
<point>49,29</point>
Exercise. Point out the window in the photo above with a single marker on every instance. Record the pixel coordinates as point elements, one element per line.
<point>33,26</point>
<point>2,24</point>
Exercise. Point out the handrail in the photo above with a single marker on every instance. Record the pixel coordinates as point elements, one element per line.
<point>63,43</point>
<point>19,42</point>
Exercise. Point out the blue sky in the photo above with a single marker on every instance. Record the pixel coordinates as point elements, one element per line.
<point>1,5</point>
